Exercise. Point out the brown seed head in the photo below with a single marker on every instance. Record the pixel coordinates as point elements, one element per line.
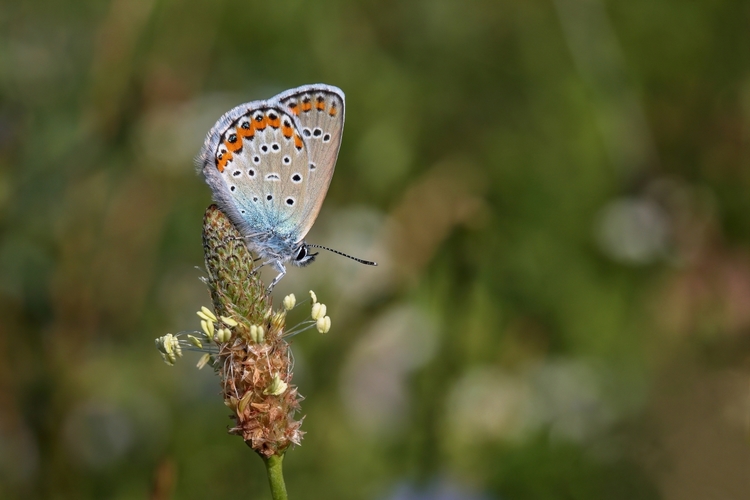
<point>255,369</point>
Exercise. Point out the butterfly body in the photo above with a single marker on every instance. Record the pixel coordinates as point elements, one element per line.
<point>269,164</point>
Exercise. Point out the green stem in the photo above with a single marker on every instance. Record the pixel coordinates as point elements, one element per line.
<point>276,476</point>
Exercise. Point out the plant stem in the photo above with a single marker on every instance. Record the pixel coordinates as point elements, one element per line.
<point>276,476</point>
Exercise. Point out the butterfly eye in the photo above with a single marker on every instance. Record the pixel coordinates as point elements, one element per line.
<point>302,253</point>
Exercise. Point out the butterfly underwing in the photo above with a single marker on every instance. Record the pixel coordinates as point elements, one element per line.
<point>269,164</point>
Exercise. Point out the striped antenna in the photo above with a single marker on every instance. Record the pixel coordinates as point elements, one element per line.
<point>361,261</point>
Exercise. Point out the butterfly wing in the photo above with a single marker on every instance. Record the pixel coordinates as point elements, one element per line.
<point>319,110</point>
<point>257,163</point>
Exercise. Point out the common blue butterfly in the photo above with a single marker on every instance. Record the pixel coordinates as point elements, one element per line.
<point>269,164</point>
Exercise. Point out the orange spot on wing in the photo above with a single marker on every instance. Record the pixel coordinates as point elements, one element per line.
<point>297,141</point>
<point>294,108</point>
<point>274,123</point>
<point>261,125</point>
<point>333,110</point>
<point>320,105</point>
<point>287,131</point>
<point>235,146</point>
<point>246,132</point>
<point>224,160</point>
<point>306,106</point>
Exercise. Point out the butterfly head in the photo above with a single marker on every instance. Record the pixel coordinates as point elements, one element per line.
<point>302,256</point>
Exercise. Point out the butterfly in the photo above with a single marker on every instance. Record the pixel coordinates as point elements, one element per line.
<point>269,164</point>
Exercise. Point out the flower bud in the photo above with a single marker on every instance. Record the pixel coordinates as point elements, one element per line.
<point>161,344</point>
<point>168,358</point>
<point>261,334</point>
<point>289,302</point>
<point>323,324</point>
<point>318,310</point>
<point>277,386</point>
<point>229,321</point>
<point>208,328</point>
<point>278,319</point>
<point>203,361</point>
<point>205,313</point>
<point>223,335</point>
<point>195,341</point>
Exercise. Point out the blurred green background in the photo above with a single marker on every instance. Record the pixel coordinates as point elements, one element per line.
<point>556,191</point>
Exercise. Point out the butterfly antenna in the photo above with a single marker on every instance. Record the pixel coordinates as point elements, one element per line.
<point>361,261</point>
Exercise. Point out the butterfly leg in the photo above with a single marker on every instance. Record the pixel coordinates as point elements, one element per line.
<point>282,271</point>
